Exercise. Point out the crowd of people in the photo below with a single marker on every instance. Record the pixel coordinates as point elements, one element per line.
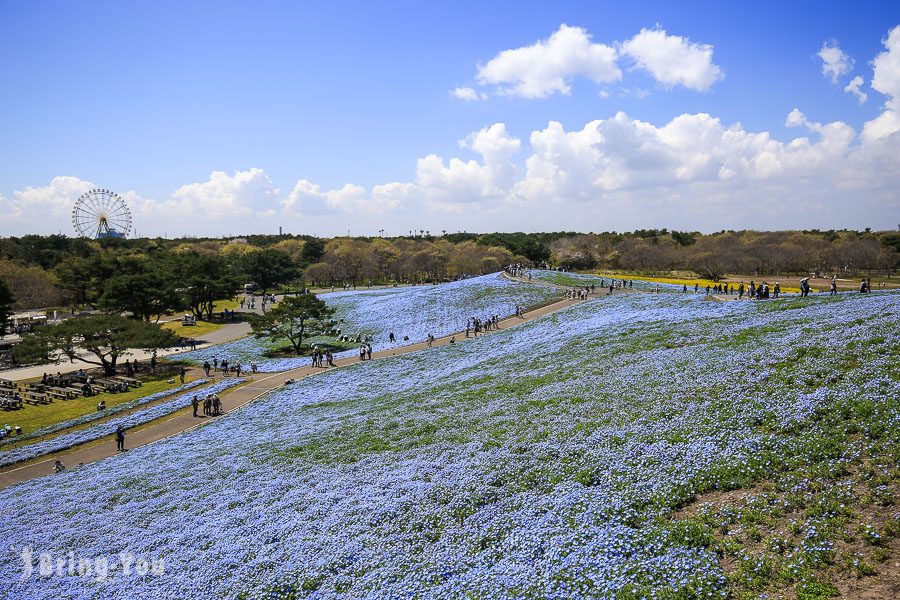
<point>224,366</point>
<point>250,301</point>
<point>212,405</point>
<point>476,325</point>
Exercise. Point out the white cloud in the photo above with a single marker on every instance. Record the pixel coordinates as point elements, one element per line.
<point>673,60</point>
<point>223,195</point>
<point>854,88</point>
<point>309,199</point>
<point>549,66</point>
<point>886,79</point>
<point>460,182</point>
<point>835,62</point>
<point>466,93</point>
<point>51,201</point>
<point>621,153</point>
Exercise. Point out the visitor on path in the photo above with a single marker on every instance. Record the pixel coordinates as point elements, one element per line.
<point>58,467</point>
<point>207,405</point>
<point>153,362</point>
<point>391,337</point>
<point>429,340</point>
<point>237,369</point>
<point>362,353</point>
<point>215,363</point>
<point>101,406</point>
<point>120,438</point>
<point>195,403</point>
<point>206,367</point>
<point>253,367</point>
<point>181,373</point>
<point>217,405</point>
<point>833,285</point>
<point>368,351</point>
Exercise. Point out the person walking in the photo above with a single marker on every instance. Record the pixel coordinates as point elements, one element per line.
<point>181,374</point>
<point>120,438</point>
<point>195,403</point>
<point>206,367</point>
<point>833,285</point>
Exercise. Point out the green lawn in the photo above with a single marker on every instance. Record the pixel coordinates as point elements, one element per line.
<point>194,331</point>
<point>32,417</point>
<point>221,305</point>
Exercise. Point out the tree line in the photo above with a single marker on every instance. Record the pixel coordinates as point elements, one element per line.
<point>151,277</point>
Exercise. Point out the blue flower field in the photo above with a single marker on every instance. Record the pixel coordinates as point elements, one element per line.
<point>631,446</point>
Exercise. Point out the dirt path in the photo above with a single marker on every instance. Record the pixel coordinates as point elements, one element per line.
<point>256,387</point>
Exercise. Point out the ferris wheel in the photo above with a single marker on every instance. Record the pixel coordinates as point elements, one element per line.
<point>101,214</point>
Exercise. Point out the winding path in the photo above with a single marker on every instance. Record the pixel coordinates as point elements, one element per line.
<point>256,387</point>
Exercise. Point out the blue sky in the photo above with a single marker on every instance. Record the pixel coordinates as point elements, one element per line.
<point>255,115</point>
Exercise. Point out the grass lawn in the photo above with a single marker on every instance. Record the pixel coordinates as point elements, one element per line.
<point>220,305</point>
<point>194,331</point>
<point>32,417</point>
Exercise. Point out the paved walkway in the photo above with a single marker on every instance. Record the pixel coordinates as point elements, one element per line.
<point>225,333</point>
<point>258,386</point>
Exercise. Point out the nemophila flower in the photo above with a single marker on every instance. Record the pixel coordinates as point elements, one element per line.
<point>407,312</point>
<point>539,461</point>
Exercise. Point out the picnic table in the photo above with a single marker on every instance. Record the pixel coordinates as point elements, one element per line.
<point>9,402</point>
<point>131,381</point>
<point>35,398</point>
<point>63,393</point>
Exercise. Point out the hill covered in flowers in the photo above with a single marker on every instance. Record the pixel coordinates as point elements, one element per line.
<point>584,454</point>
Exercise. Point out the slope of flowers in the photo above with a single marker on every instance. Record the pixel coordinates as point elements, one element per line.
<point>412,312</point>
<point>96,416</point>
<point>100,430</point>
<point>536,462</point>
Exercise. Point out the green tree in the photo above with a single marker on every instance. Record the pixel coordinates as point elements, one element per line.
<point>78,278</point>
<point>144,286</point>
<point>312,251</point>
<point>203,279</point>
<point>6,301</point>
<point>269,268</point>
<point>294,319</point>
<point>144,295</point>
<point>97,340</point>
